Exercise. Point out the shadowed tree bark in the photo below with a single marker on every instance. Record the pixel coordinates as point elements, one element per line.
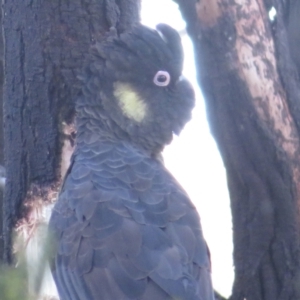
<point>45,47</point>
<point>252,98</point>
<point>1,137</point>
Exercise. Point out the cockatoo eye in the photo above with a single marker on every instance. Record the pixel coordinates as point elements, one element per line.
<point>162,78</point>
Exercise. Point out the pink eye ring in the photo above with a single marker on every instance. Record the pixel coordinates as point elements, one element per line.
<point>162,78</point>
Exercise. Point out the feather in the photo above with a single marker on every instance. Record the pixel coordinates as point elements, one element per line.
<point>123,226</point>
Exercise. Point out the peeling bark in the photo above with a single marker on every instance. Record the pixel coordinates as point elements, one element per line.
<point>248,99</point>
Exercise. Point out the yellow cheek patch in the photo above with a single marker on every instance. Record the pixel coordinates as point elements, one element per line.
<point>130,102</point>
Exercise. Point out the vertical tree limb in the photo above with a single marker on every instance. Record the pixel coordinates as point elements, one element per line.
<point>251,119</point>
<point>46,43</point>
<point>1,137</point>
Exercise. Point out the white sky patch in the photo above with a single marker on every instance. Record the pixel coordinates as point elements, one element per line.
<point>194,159</point>
<point>272,13</point>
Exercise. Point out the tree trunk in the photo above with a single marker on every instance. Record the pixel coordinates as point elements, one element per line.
<point>252,97</point>
<point>1,139</point>
<point>46,43</point>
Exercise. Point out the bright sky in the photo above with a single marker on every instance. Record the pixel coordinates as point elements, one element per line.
<point>193,158</point>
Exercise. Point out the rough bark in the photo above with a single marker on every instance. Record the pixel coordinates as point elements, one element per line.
<point>45,46</point>
<point>1,136</point>
<point>251,97</point>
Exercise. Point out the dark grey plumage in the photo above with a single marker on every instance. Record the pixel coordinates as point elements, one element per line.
<point>125,229</point>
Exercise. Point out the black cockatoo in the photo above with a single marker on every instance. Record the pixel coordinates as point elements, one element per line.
<point>124,228</point>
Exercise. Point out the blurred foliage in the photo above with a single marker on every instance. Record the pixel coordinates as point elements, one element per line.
<point>24,280</point>
<point>14,283</point>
